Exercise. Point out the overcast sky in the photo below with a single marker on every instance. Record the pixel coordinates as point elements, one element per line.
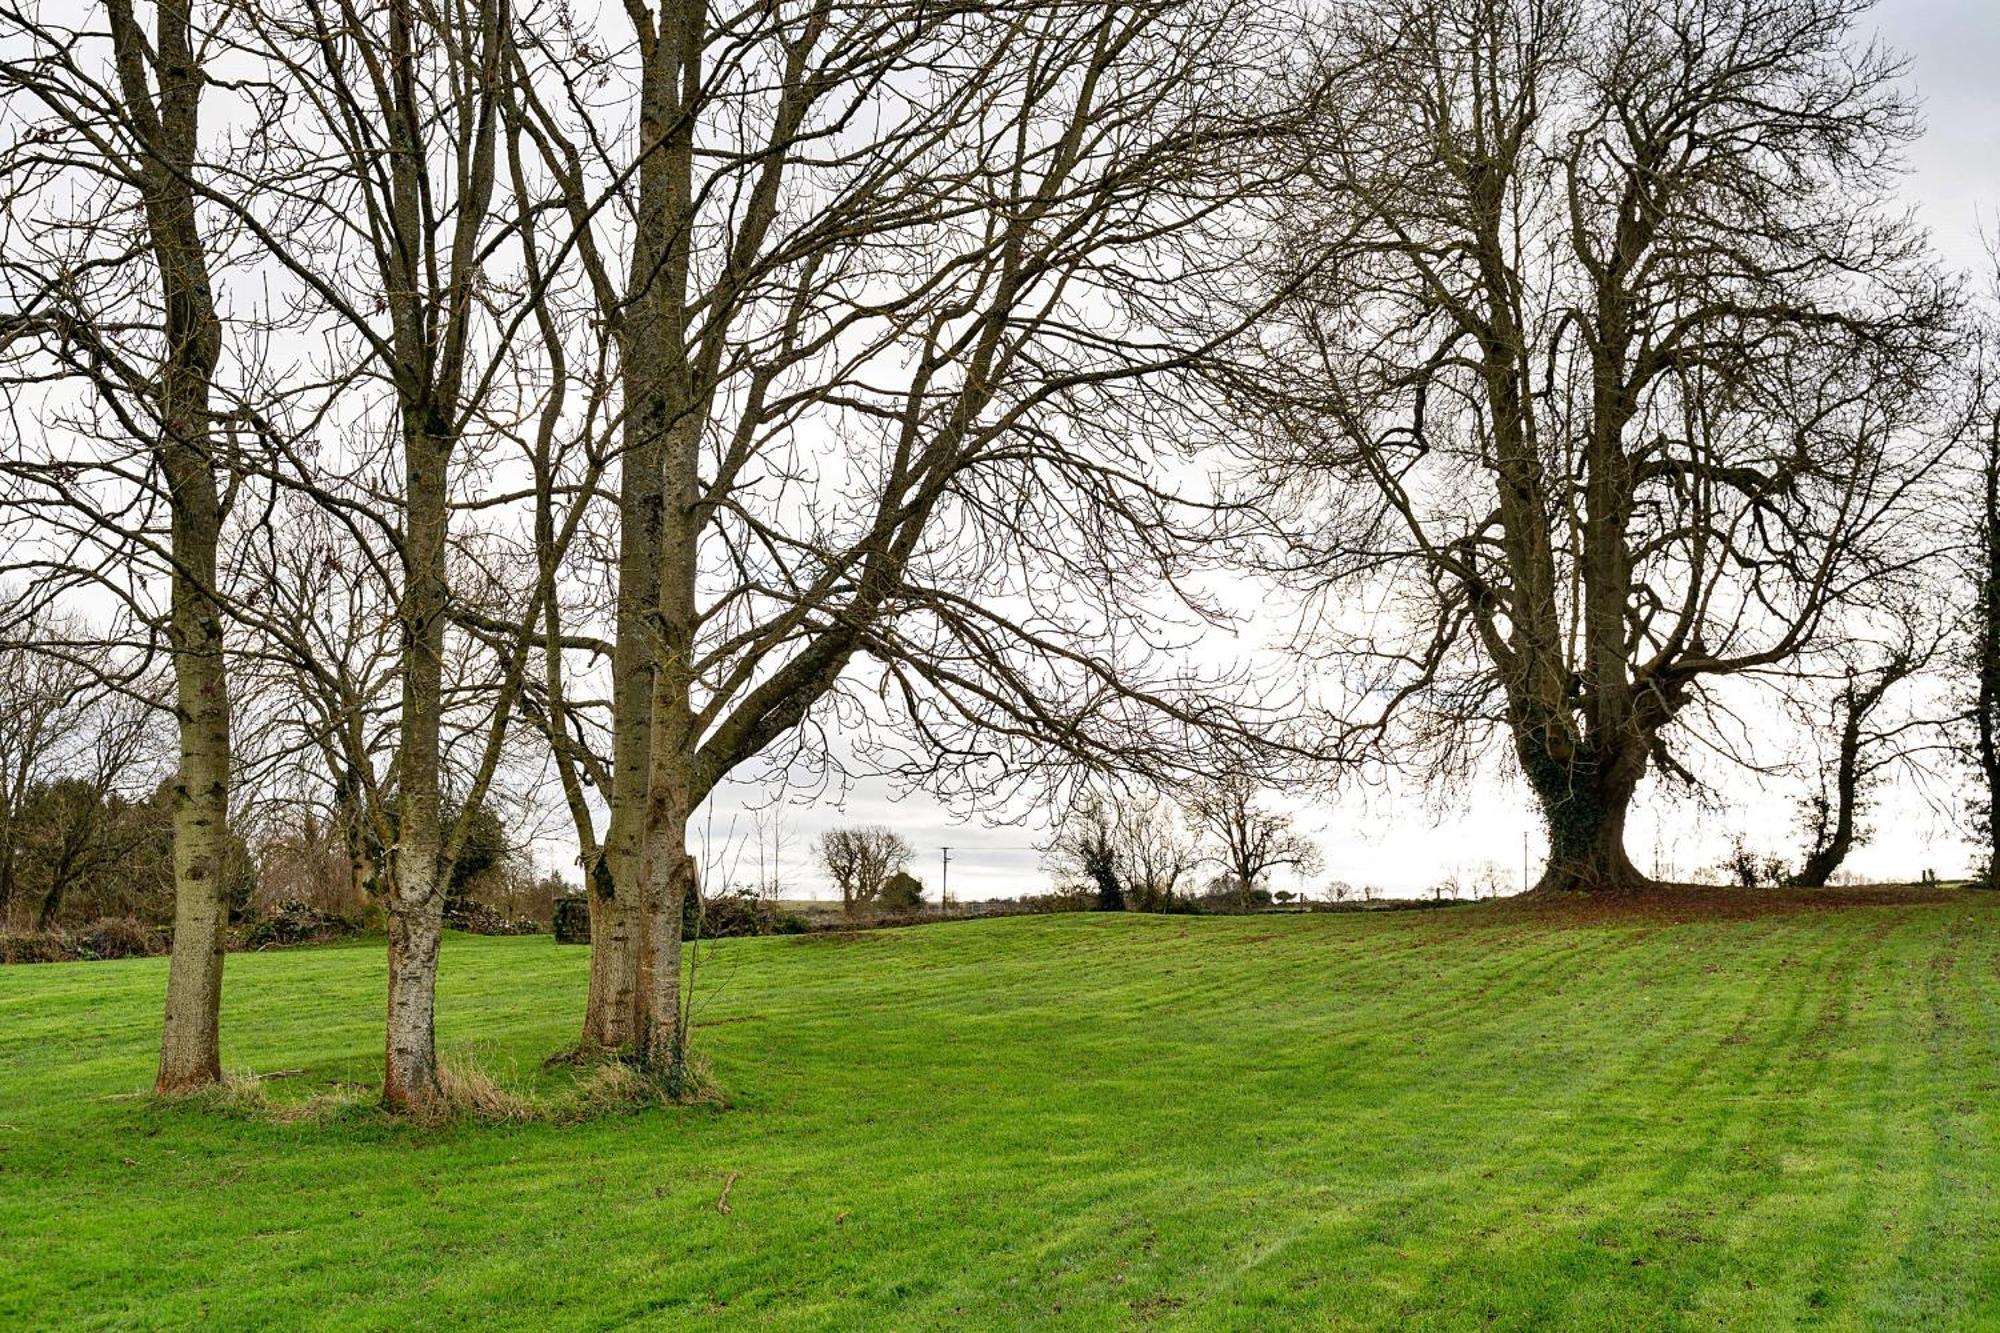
<point>1400,840</point>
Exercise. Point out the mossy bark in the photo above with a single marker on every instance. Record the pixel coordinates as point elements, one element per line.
<point>1584,795</point>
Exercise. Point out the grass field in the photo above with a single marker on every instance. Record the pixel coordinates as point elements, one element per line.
<point>1478,1117</point>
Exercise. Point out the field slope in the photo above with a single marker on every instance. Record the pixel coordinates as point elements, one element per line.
<point>1477,1117</point>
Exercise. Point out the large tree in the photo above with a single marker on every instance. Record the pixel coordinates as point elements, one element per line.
<point>404,241</point>
<point>110,167</point>
<point>902,301</point>
<point>1598,386</point>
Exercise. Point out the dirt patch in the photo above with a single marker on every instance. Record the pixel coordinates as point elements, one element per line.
<point>1678,903</point>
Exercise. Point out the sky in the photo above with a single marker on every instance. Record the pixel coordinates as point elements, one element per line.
<point>1403,839</point>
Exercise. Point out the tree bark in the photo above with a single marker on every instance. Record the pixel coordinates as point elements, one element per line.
<point>1584,801</point>
<point>190,1043</point>
<point>416,888</point>
<point>617,881</point>
<point>1986,653</point>
<point>190,1040</point>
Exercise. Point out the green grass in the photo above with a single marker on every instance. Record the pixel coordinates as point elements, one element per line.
<point>1480,1117</point>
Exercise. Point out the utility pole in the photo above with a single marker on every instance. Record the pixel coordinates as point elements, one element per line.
<point>944,878</point>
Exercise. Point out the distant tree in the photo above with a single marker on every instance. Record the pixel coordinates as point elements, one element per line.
<point>1252,840</point>
<point>1984,637</point>
<point>1086,849</point>
<point>49,707</point>
<point>1134,848</point>
<point>901,892</point>
<point>485,851</point>
<point>1157,851</point>
<point>78,840</point>
<point>84,851</point>
<point>1861,739</point>
<point>860,859</point>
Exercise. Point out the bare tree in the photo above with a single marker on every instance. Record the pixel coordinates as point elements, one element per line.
<point>1157,851</point>
<point>1252,839</point>
<point>1865,732</point>
<point>1132,847</point>
<point>1983,637</point>
<point>963,307</point>
<point>1608,347</point>
<point>860,859</point>
<point>1086,848</point>
<point>414,240</point>
<point>116,120</point>
<point>898,323</point>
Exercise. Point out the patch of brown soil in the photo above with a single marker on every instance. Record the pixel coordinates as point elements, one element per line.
<point>1669,904</point>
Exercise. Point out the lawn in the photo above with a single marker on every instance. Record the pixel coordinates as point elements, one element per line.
<point>1484,1116</point>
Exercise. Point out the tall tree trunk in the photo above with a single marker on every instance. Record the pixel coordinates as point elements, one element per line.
<point>617,880</point>
<point>1986,652</point>
<point>416,886</point>
<point>673,780</point>
<point>656,543</point>
<point>190,1044</point>
<point>190,1041</point>
<point>1837,828</point>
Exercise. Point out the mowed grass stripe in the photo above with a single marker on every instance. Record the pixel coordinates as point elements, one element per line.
<point>1481,1116</point>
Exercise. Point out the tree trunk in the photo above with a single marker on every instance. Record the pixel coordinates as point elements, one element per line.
<point>662,1045</point>
<point>1986,652</point>
<point>416,882</point>
<point>668,870</point>
<point>168,128</point>
<point>657,483</point>
<point>617,882</point>
<point>190,1042</point>
<point>1584,804</point>
<point>416,929</point>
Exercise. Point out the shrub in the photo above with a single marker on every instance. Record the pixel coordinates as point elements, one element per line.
<point>901,892</point>
<point>1747,869</point>
<point>476,918</point>
<point>36,946</point>
<point>120,937</point>
<point>727,913</point>
<point>1069,898</point>
<point>292,923</point>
